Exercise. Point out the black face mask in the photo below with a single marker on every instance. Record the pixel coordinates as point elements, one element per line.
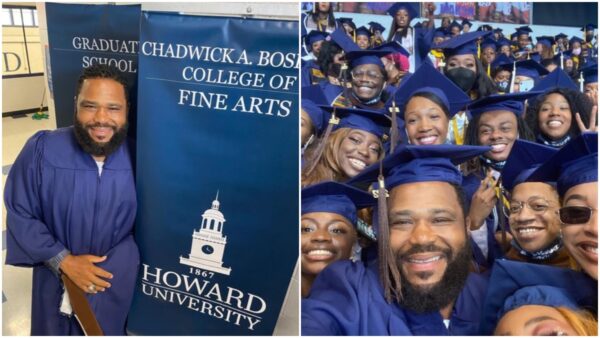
<point>462,77</point>
<point>502,86</point>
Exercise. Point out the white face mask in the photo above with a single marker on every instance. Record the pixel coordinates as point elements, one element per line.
<point>576,51</point>
<point>526,86</point>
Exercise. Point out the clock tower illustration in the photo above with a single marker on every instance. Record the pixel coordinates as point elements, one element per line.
<point>208,243</point>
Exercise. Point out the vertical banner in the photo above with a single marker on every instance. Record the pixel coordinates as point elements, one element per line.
<point>217,174</point>
<point>82,35</point>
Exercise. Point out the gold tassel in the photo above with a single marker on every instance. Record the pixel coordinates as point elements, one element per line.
<point>489,70</point>
<point>312,162</point>
<point>479,50</point>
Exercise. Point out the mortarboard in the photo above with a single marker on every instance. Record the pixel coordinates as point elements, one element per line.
<point>503,42</point>
<point>523,159</point>
<point>466,22</point>
<point>575,39</point>
<point>514,284</point>
<point>364,57</point>
<point>362,30</point>
<point>393,47</point>
<point>488,43</point>
<point>375,26</point>
<point>560,36</point>
<point>501,102</point>
<point>590,72</point>
<point>455,24</point>
<point>314,36</point>
<point>370,121</point>
<point>428,79</point>
<point>497,30</point>
<point>411,7</point>
<point>322,93</point>
<point>335,197</point>
<point>317,115</point>
<point>342,39</point>
<point>423,163</point>
<point>575,163</point>
<point>523,30</point>
<point>347,21</point>
<point>461,44</point>
<point>545,40</point>
<point>588,27</point>
<point>531,69</point>
<point>440,32</point>
<point>503,61</point>
<point>557,79</point>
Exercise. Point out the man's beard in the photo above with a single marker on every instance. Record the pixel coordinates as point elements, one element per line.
<point>439,295</point>
<point>99,148</point>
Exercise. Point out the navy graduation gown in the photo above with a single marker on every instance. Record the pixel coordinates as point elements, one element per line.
<point>347,299</point>
<point>56,200</point>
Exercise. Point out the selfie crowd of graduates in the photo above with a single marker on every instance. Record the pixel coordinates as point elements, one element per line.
<point>449,177</point>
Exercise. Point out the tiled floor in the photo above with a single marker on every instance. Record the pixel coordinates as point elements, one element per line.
<point>16,282</point>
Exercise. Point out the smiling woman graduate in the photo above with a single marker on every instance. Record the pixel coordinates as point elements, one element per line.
<point>328,226</point>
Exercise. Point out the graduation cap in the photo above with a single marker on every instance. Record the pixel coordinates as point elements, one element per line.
<point>530,68</point>
<point>561,36</point>
<point>362,30</point>
<point>455,24</point>
<point>513,35</point>
<point>317,115</point>
<point>347,21</point>
<point>576,39</point>
<point>393,47</point>
<point>342,39</point>
<point>575,163</point>
<point>503,61</point>
<point>488,43</point>
<point>429,80</point>
<point>485,28</point>
<point>522,161</point>
<point>365,57</point>
<point>512,102</point>
<point>314,36</point>
<point>523,30</point>
<point>376,26</point>
<point>558,78</point>
<point>590,72</point>
<point>497,30</point>
<point>503,42</point>
<point>514,284</point>
<point>440,32</point>
<point>466,22</point>
<point>546,40</point>
<point>461,44</point>
<point>411,7</point>
<point>588,27</point>
<point>335,197</point>
<point>370,121</point>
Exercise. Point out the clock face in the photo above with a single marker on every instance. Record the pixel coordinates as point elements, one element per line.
<point>207,249</point>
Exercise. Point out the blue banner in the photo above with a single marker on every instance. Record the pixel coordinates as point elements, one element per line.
<point>217,174</point>
<point>82,35</point>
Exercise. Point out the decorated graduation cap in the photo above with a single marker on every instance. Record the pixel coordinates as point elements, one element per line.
<point>393,47</point>
<point>590,72</point>
<point>314,36</point>
<point>466,22</point>
<point>376,26</point>
<point>362,30</point>
<point>576,39</point>
<point>461,44</point>
<point>366,57</point>
<point>317,115</point>
<point>558,78</point>
<point>428,80</point>
<point>335,197</point>
<point>501,102</point>
<point>575,163</point>
<point>370,121</point>
<point>514,284</point>
<point>412,8</point>
<point>522,161</point>
<point>530,68</point>
<point>546,40</point>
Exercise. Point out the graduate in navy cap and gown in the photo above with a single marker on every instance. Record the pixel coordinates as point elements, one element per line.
<point>328,226</point>
<point>313,121</point>
<point>466,25</point>
<point>421,283</point>
<point>533,208</point>
<point>71,204</point>
<point>501,72</point>
<point>319,18</point>
<point>396,64</point>
<point>576,50</point>
<point>590,81</point>
<point>537,300</point>
<point>575,170</point>
<point>527,75</point>
<point>376,30</point>
<point>363,37</point>
<point>311,72</point>
<point>488,54</point>
<point>496,122</point>
<point>545,47</point>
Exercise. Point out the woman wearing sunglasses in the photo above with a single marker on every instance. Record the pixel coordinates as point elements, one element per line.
<point>532,211</point>
<point>575,169</point>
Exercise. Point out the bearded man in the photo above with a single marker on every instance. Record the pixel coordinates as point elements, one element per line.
<point>421,284</point>
<point>71,205</point>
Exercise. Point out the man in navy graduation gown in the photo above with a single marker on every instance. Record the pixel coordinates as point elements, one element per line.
<point>421,284</point>
<point>71,204</point>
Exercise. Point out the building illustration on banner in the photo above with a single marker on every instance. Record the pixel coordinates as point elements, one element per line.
<point>208,243</point>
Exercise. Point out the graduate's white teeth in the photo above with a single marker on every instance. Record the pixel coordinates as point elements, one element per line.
<point>425,261</point>
<point>320,253</point>
<point>590,248</point>
<point>357,164</point>
<point>498,148</point>
<point>555,123</point>
<point>427,140</point>
<point>523,231</point>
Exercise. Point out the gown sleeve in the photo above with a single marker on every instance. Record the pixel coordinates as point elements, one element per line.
<point>29,241</point>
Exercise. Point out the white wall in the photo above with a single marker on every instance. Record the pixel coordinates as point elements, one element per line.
<point>22,93</point>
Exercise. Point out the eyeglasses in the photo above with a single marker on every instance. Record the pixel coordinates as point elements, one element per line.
<point>575,214</point>
<point>371,75</point>
<point>536,204</point>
